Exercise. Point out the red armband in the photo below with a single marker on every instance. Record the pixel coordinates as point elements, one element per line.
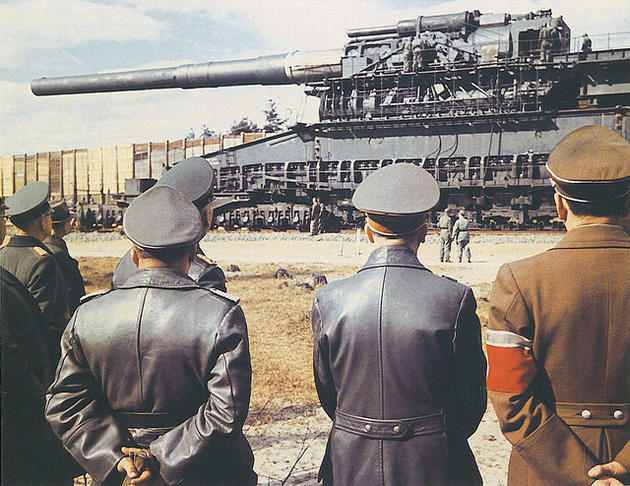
<point>511,365</point>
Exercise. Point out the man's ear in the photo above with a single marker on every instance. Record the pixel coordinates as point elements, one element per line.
<point>368,232</point>
<point>561,206</point>
<point>134,256</point>
<point>422,232</point>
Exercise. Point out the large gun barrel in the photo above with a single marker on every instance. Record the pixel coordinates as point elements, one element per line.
<point>443,23</point>
<point>295,67</point>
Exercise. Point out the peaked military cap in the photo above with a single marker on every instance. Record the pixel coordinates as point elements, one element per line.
<point>162,218</point>
<point>395,197</point>
<point>60,212</point>
<point>29,202</point>
<point>193,177</point>
<point>591,165</point>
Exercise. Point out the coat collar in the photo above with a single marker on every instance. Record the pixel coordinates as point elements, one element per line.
<point>56,241</point>
<point>161,278</point>
<point>25,241</point>
<point>393,256</point>
<point>595,236</point>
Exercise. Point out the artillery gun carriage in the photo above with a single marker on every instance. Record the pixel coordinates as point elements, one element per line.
<point>479,100</point>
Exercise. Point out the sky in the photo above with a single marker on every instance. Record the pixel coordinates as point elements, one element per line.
<point>47,38</point>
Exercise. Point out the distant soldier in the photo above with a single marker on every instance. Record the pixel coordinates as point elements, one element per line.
<point>407,55</point>
<point>461,236</point>
<point>316,217</point>
<point>545,38</point>
<point>195,179</point>
<point>159,367</point>
<point>396,420</point>
<point>32,263</point>
<point>63,223</point>
<point>587,46</point>
<point>558,339</point>
<point>446,229</point>
<point>417,46</point>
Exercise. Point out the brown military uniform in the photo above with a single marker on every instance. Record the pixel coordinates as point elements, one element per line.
<point>558,353</point>
<point>558,340</point>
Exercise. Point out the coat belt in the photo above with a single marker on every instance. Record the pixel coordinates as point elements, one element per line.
<point>594,414</point>
<point>389,429</point>
<point>151,420</point>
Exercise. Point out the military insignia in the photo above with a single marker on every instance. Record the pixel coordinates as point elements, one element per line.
<point>40,251</point>
<point>225,295</point>
<point>93,295</point>
<point>205,259</point>
<point>448,278</point>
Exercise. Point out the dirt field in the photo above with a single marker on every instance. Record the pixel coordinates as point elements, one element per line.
<point>285,422</point>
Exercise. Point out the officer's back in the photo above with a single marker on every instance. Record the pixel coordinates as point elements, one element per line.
<point>168,357</point>
<point>397,351</point>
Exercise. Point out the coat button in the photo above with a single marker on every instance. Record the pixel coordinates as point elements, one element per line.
<point>586,414</point>
<point>367,427</point>
<point>396,429</point>
<point>618,414</point>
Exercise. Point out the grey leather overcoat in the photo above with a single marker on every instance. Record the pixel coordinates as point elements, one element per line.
<point>161,363</point>
<point>400,369</point>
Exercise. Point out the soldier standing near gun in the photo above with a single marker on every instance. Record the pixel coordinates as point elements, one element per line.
<point>545,38</point>
<point>558,341</point>
<point>461,236</point>
<point>316,217</point>
<point>446,228</point>
<point>397,351</point>
<point>417,46</point>
<point>158,368</point>
<point>407,55</point>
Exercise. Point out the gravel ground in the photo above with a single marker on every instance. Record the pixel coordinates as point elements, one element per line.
<point>289,450</point>
<point>432,238</point>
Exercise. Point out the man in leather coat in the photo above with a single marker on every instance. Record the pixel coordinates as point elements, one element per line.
<point>195,179</point>
<point>397,352</point>
<point>160,364</point>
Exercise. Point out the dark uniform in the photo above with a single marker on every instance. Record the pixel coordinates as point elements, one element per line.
<point>195,179</point>
<point>68,265</point>
<point>558,341</point>
<point>32,263</point>
<point>25,375</point>
<point>31,454</point>
<point>160,363</point>
<point>397,354</point>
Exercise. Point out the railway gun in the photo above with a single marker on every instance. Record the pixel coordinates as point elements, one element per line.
<point>478,100</point>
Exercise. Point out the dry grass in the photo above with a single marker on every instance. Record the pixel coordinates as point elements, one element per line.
<point>279,324</point>
<point>97,272</point>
